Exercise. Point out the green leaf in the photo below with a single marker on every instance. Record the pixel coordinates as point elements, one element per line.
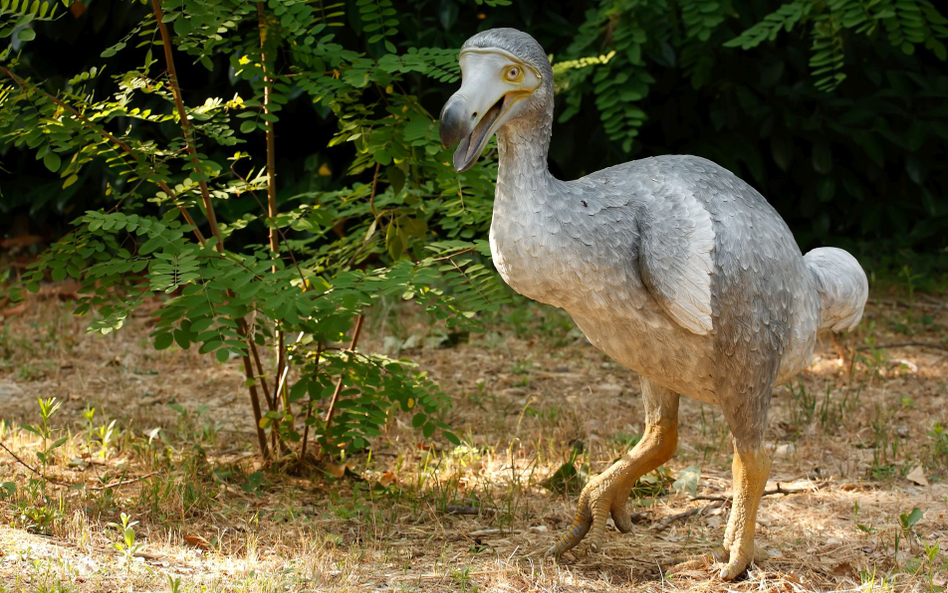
<point>26,35</point>
<point>909,520</point>
<point>52,161</point>
<point>163,340</point>
<point>688,479</point>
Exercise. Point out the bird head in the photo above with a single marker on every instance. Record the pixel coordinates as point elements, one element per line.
<point>505,76</point>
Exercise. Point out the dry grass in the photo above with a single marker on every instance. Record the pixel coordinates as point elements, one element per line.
<point>209,518</point>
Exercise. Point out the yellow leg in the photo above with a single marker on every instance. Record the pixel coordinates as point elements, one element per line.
<point>608,492</point>
<point>750,468</point>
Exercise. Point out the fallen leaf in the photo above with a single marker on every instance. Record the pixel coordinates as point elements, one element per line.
<point>336,471</point>
<point>196,541</point>
<point>11,311</point>
<point>917,476</point>
<point>844,569</point>
<point>387,478</point>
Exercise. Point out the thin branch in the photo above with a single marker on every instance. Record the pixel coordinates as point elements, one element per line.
<point>289,251</point>
<point>252,387</point>
<point>271,193</point>
<point>33,469</point>
<point>358,251</point>
<point>263,383</point>
<point>123,482</point>
<point>209,211</point>
<point>118,142</point>
<point>375,181</point>
<point>309,410</point>
<point>935,345</point>
<point>718,501</point>
<point>186,125</point>
<point>695,511</point>
<point>338,389</point>
<point>455,254</point>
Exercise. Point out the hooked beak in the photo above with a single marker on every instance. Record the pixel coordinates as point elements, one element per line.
<point>471,116</point>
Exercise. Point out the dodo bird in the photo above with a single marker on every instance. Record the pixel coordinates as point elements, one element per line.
<point>671,265</point>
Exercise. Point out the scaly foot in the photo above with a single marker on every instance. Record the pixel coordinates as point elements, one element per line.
<point>605,494</point>
<point>722,555</point>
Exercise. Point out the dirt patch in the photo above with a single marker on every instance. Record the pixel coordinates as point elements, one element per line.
<point>856,444</point>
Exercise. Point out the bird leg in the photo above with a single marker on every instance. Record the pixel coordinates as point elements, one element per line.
<point>608,492</point>
<point>750,468</point>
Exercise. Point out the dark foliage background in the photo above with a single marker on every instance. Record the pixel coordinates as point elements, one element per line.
<point>859,162</point>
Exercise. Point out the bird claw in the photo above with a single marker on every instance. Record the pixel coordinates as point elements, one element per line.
<point>737,563</point>
<point>601,498</point>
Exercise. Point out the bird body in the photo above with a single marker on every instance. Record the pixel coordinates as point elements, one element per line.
<point>671,265</point>
<point>637,254</point>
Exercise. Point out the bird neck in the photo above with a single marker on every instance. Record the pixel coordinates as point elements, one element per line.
<point>522,147</point>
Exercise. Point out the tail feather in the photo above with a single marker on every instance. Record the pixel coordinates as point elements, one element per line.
<point>842,285</point>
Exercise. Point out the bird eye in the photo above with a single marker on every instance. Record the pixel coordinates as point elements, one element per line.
<point>513,73</point>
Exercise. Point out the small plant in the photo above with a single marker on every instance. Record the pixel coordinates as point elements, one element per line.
<point>463,579</point>
<point>104,436</point>
<point>688,480</point>
<point>804,405</point>
<point>910,281</point>
<point>907,522</point>
<point>7,490</point>
<point>939,437</point>
<point>88,413</point>
<point>47,408</point>
<point>874,358</point>
<point>885,446</point>
<point>127,546</point>
<point>931,554</point>
<point>868,529</point>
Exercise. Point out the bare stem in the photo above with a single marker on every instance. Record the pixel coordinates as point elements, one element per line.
<point>309,410</point>
<point>254,399</point>
<point>271,194</point>
<point>338,389</point>
<point>263,383</point>
<point>186,125</point>
<point>209,212</point>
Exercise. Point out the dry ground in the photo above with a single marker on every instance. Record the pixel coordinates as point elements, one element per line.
<point>529,395</point>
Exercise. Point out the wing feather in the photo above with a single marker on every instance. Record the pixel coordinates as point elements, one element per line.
<point>677,259</point>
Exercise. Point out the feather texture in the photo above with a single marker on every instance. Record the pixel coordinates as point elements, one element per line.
<point>671,265</point>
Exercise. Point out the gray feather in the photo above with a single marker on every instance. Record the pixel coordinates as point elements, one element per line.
<point>671,265</point>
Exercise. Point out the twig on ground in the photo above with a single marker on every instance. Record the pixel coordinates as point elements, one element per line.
<point>717,501</point>
<point>122,482</point>
<point>458,510</point>
<point>935,345</point>
<point>695,511</point>
<point>931,304</point>
<point>778,490</point>
<point>494,531</point>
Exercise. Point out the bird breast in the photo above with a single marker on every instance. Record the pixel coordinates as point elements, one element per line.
<point>563,250</point>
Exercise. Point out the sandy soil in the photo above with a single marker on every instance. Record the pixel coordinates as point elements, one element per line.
<point>426,516</point>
